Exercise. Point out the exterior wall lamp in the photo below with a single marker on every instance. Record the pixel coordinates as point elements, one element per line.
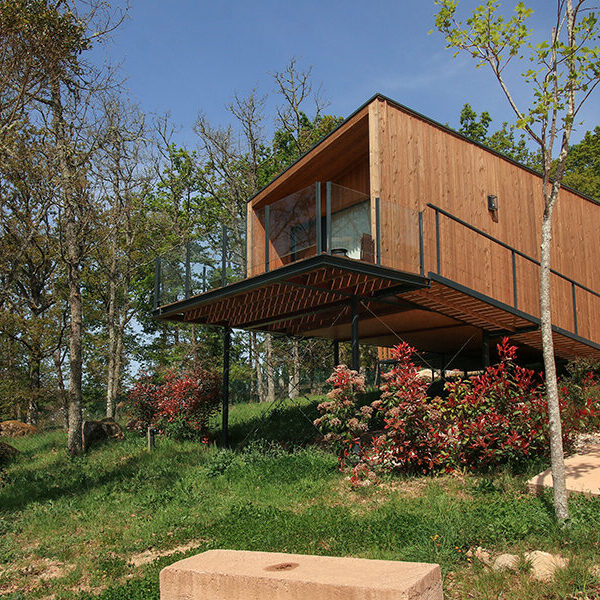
<point>492,202</point>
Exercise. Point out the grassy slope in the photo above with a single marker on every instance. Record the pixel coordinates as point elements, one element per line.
<point>83,519</point>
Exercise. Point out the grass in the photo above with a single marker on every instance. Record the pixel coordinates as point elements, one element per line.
<point>72,528</point>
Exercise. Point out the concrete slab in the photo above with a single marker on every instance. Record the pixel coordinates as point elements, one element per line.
<point>583,474</point>
<point>236,575</point>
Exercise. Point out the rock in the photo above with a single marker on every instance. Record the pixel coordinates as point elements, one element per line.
<point>97,431</point>
<point>508,562</point>
<point>483,556</point>
<point>17,429</point>
<point>7,453</point>
<point>544,564</point>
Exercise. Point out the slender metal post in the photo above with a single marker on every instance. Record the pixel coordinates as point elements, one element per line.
<point>485,349</point>
<point>574,308</point>
<point>421,246</point>
<point>156,282</point>
<point>355,348</point>
<point>150,436</point>
<point>336,353</point>
<point>328,215</point>
<point>203,278</point>
<point>378,229</point>
<point>318,217</point>
<point>514,272</point>
<point>437,240</point>
<point>267,235</point>
<point>224,256</point>
<point>225,394</point>
<point>188,271</point>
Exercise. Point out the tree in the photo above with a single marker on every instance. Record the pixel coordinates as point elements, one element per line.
<point>564,71</point>
<point>582,170</point>
<point>476,128</point>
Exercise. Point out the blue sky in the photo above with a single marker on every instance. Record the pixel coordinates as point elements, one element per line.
<point>187,56</point>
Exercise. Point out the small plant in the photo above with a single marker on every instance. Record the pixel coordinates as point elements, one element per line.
<point>342,421</point>
<point>180,405</point>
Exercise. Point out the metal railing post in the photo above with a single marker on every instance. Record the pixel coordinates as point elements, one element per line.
<point>157,276</point>
<point>437,240</point>
<point>328,215</point>
<point>188,271</point>
<point>514,272</point>
<point>318,217</point>
<point>421,246</point>
<point>224,256</point>
<point>574,308</point>
<point>378,229</point>
<point>267,234</point>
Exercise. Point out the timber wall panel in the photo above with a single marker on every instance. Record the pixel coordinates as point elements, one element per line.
<point>422,163</point>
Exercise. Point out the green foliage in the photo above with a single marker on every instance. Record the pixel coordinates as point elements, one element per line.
<point>564,68</point>
<point>582,170</point>
<point>505,141</point>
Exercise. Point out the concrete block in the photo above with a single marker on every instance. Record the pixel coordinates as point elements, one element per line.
<point>236,575</point>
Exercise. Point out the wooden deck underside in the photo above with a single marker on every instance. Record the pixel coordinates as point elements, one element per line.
<point>433,314</point>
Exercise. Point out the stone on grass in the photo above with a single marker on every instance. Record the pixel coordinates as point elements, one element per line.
<point>236,575</point>
<point>97,431</point>
<point>483,556</point>
<point>7,453</point>
<point>17,429</point>
<point>544,564</point>
<point>509,562</point>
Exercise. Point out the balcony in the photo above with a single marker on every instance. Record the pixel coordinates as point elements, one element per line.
<point>327,218</point>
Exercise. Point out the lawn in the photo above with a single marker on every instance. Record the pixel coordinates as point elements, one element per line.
<point>105,524</point>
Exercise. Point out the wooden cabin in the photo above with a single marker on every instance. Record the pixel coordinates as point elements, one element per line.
<point>394,228</point>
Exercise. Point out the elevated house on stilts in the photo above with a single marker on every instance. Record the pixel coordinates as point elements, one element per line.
<point>396,227</point>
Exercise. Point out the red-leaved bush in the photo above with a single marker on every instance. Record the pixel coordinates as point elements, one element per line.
<point>342,420</point>
<point>180,404</point>
<point>497,417</point>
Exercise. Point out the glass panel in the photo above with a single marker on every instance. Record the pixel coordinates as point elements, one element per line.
<point>293,228</point>
<point>194,268</point>
<point>351,234</point>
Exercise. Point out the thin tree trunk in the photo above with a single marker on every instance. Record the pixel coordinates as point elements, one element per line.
<point>557,458</point>
<point>294,381</point>
<point>111,324</point>
<point>61,387</point>
<point>35,384</point>
<point>260,386</point>
<point>270,375</point>
<point>67,180</point>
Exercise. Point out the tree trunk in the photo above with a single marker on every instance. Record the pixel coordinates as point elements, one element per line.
<point>270,375</point>
<point>73,255</point>
<point>61,388</point>
<point>260,386</point>
<point>294,384</point>
<point>557,458</point>
<point>111,324</point>
<point>35,384</point>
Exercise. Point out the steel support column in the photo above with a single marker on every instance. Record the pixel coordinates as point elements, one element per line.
<point>336,353</point>
<point>485,349</point>
<point>355,349</point>
<point>225,391</point>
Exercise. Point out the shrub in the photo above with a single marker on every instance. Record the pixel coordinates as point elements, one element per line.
<point>580,392</point>
<point>180,405</point>
<point>342,421</point>
<point>498,417</point>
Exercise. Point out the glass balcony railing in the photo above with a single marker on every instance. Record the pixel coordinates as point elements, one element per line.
<point>323,218</point>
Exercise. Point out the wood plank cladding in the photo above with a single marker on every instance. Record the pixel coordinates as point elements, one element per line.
<point>415,162</point>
